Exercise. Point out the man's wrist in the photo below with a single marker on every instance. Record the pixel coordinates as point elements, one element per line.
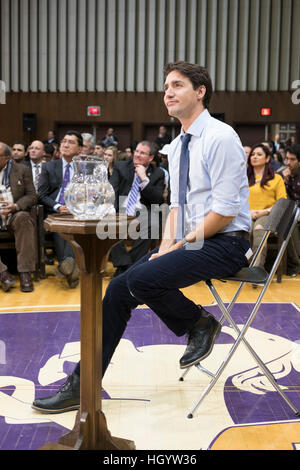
<point>144,183</point>
<point>184,242</point>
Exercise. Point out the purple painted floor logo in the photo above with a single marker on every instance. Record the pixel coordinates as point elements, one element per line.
<point>39,350</point>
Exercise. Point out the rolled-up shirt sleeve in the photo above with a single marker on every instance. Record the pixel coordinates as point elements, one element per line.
<point>217,176</point>
<point>226,164</point>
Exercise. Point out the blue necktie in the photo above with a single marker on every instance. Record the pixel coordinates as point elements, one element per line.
<point>184,167</point>
<point>133,196</point>
<point>64,184</point>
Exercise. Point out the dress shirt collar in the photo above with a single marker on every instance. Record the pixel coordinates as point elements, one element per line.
<point>65,163</point>
<point>198,125</point>
<point>34,164</point>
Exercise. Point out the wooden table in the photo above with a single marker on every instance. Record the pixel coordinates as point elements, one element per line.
<point>90,431</point>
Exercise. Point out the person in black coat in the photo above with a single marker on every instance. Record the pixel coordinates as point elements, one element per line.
<point>138,184</point>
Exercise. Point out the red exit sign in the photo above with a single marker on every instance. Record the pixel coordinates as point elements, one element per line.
<point>94,111</point>
<point>265,111</point>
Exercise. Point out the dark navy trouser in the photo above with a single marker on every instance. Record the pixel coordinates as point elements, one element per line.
<point>157,283</point>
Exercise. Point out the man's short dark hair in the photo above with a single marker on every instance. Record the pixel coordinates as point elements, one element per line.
<point>153,147</point>
<point>49,149</point>
<point>197,74</point>
<point>20,142</point>
<point>294,150</point>
<point>78,135</point>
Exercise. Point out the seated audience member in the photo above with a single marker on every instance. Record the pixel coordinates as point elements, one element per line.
<point>20,196</point>
<point>164,165</point>
<point>279,158</point>
<point>36,152</point>
<point>37,156</point>
<point>53,180</point>
<point>99,149</point>
<point>277,144</point>
<point>111,157</point>
<point>163,138</point>
<point>109,138</point>
<point>19,152</point>
<point>49,152</point>
<point>88,145</point>
<point>50,138</point>
<point>128,152</point>
<point>265,188</point>
<point>291,176</point>
<point>140,182</point>
<point>275,165</point>
<point>56,153</point>
<point>247,149</point>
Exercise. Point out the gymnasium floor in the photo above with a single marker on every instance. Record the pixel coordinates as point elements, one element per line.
<point>143,400</point>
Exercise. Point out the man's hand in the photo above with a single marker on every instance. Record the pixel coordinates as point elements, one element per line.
<point>168,250</point>
<point>7,207</point>
<point>286,173</point>
<point>63,210</point>
<point>256,214</point>
<point>141,172</point>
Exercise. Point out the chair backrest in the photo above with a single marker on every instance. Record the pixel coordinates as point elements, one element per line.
<point>282,217</point>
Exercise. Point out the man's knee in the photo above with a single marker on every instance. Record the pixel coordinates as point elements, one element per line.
<point>116,287</point>
<point>139,284</point>
<point>22,220</point>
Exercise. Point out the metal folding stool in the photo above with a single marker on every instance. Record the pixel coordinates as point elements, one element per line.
<point>281,221</point>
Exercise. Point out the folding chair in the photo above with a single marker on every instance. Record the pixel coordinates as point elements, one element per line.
<point>281,221</point>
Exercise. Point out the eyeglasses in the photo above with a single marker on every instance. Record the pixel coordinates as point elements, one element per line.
<point>143,154</point>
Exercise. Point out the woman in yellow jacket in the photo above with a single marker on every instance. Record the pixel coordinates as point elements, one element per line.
<point>265,188</point>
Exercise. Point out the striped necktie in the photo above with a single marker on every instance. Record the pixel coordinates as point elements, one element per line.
<point>184,167</point>
<point>133,196</point>
<point>64,184</point>
<point>36,176</point>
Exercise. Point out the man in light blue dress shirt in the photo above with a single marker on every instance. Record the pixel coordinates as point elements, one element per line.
<point>214,242</point>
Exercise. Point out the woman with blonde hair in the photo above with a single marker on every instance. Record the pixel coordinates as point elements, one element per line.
<point>265,188</point>
<point>111,156</point>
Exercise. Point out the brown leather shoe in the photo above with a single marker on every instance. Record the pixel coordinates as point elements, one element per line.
<point>26,284</point>
<point>6,280</point>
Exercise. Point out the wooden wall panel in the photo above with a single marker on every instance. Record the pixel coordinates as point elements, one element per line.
<point>134,108</point>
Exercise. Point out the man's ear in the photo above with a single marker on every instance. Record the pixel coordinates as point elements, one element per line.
<point>201,92</point>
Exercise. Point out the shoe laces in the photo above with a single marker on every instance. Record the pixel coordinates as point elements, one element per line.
<point>67,384</point>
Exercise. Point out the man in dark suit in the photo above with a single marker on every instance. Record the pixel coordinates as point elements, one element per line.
<point>138,184</point>
<point>36,152</point>
<point>52,181</point>
<point>19,198</point>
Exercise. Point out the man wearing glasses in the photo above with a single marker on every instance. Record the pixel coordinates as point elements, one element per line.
<point>53,180</point>
<point>138,184</point>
